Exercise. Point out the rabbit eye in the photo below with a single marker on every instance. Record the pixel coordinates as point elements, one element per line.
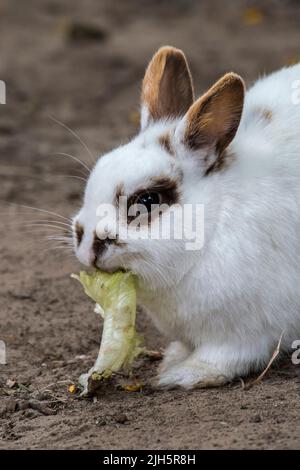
<point>156,198</point>
<point>148,200</point>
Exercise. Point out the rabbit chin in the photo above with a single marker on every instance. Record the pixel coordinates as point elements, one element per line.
<point>155,275</point>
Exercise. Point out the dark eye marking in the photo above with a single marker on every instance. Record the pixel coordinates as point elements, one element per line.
<point>79,230</point>
<point>162,190</point>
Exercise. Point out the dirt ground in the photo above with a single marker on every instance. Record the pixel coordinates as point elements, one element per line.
<point>82,63</point>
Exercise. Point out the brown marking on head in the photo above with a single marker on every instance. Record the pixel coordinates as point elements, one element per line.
<point>120,191</point>
<point>167,89</point>
<point>165,142</point>
<point>212,121</point>
<point>223,162</point>
<point>265,113</point>
<point>79,231</point>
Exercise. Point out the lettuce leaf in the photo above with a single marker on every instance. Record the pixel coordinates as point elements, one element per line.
<point>120,344</point>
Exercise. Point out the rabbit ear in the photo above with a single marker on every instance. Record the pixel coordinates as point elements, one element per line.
<point>167,86</point>
<point>212,121</point>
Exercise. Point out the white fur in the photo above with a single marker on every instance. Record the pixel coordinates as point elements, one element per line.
<point>227,304</point>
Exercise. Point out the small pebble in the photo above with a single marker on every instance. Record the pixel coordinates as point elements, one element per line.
<point>256,419</point>
<point>121,418</point>
<point>100,422</point>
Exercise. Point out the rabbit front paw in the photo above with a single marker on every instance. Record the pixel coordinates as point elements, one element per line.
<point>190,374</point>
<point>175,353</point>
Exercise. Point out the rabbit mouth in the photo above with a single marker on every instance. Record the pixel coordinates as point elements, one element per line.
<point>109,264</point>
<point>105,265</point>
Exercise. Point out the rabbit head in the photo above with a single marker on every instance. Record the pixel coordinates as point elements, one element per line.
<point>181,145</point>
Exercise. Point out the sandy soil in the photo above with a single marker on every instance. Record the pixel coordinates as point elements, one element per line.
<point>92,84</point>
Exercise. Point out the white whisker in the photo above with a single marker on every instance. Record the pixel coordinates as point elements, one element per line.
<point>74,135</point>
<point>46,221</point>
<point>64,239</point>
<point>76,159</point>
<point>66,249</point>
<point>74,176</point>
<point>40,210</point>
<point>56,227</point>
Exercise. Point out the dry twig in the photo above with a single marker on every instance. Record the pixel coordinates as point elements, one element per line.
<point>261,376</point>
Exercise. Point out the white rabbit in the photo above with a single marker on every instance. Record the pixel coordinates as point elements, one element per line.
<point>225,306</point>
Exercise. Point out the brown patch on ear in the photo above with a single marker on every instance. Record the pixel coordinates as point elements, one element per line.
<point>214,118</point>
<point>79,230</point>
<point>165,142</point>
<point>167,86</point>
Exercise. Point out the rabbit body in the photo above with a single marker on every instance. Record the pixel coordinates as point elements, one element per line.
<point>223,307</point>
